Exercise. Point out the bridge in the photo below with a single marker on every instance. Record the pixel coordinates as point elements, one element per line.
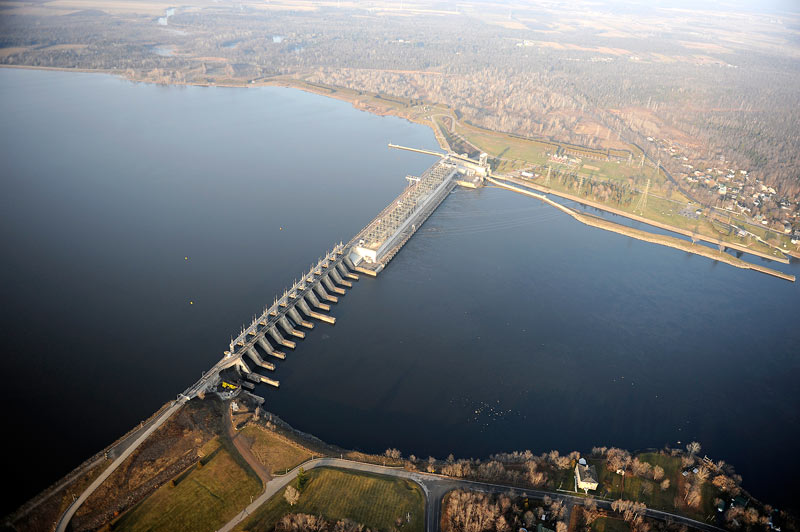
<point>290,316</point>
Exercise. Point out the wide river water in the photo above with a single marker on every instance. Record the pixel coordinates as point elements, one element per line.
<point>142,225</point>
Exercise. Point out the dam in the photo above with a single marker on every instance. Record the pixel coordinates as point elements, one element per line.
<point>290,315</point>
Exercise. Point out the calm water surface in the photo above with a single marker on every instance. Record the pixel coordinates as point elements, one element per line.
<point>502,324</point>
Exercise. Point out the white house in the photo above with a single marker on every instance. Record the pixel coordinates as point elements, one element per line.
<point>586,476</point>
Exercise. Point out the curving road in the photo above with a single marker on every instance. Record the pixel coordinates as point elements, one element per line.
<point>146,430</point>
<point>435,488</point>
<point>67,516</point>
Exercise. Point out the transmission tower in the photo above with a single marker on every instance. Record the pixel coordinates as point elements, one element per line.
<point>643,199</point>
<point>547,180</point>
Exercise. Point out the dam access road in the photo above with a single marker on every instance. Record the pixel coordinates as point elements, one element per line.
<point>435,488</point>
<point>368,252</point>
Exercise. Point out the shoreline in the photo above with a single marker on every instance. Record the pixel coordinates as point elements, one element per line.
<point>642,219</point>
<point>321,449</point>
<point>646,236</point>
<point>361,105</point>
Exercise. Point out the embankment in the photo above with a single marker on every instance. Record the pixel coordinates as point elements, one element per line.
<point>677,243</point>
<point>648,221</point>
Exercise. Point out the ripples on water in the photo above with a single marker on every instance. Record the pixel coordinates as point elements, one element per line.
<point>502,325</point>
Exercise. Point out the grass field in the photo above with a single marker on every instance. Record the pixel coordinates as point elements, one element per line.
<point>650,492</point>
<point>640,489</point>
<point>666,211</point>
<point>607,524</point>
<point>204,498</point>
<point>371,500</point>
<point>520,152</point>
<point>275,452</point>
<point>517,153</point>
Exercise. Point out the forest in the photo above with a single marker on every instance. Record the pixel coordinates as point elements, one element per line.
<point>719,89</point>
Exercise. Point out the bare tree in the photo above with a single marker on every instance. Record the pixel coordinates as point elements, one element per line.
<point>394,454</point>
<point>431,465</point>
<point>693,448</point>
<point>618,459</point>
<point>291,495</point>
<point>725,483</point>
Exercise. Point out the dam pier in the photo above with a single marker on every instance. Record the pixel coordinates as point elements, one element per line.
<point>252,355</point>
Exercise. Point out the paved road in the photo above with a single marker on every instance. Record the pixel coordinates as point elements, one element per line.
<point>67,516</point>
<point>435,488</point>
<point>278,483</point>
<point>129,444</point>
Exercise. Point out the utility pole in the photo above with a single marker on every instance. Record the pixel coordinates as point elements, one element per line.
<point>643,199</point>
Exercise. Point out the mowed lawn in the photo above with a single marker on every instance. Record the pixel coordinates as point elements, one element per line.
<point>640,489</point>
<point>203,498</point>
<point>501,145</point>
<point>372,500</point>
<point>273,451</point>
<point>607,524</point>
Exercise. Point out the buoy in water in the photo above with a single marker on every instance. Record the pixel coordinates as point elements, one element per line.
<point>281,229</point>
<point>185,258</point>
<point>191,302</point>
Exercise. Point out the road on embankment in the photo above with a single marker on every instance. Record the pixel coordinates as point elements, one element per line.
<point>435,488</point>
<point>645,236</point>
<point>142,436</point>
<point>648,221</point>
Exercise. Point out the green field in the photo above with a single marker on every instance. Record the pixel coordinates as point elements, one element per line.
<point>665,211</point>
<point>607,524</point>
<point>650,492</point>
<point>204,498</point>
<point>639,489</point>
<point>372,500</point>
<point>516,154</point>
<point>276,453</point>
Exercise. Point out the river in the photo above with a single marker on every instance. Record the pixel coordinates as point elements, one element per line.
<point>143,225</point>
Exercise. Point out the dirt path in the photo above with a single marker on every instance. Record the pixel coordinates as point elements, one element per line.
<point>244,450</point>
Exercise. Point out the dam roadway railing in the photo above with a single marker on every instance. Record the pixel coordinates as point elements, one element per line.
<point>421,199</point>
<point>289,311</point>
<point>272,315</point>
<point>387,232</point>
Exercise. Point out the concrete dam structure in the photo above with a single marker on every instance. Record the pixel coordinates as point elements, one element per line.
<point>290,315</point>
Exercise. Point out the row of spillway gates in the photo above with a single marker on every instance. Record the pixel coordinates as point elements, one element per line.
<point>366,253</point>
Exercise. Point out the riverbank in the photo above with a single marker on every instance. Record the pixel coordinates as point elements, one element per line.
<point>422,113</point>
<point>384,107</point>
<point>668,241</point>
<point>676,243</point>
<point>656,478</point>
<point>642,219</point>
